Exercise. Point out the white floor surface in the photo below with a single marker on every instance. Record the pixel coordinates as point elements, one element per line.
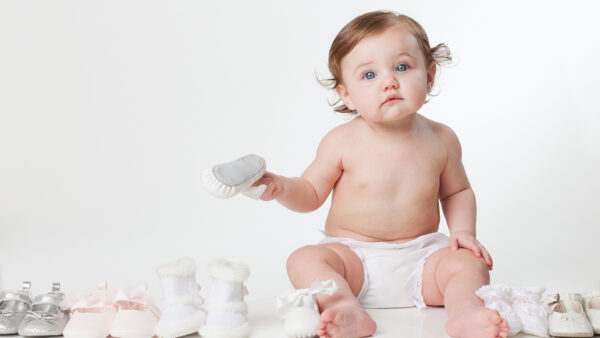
<point>407,322</point>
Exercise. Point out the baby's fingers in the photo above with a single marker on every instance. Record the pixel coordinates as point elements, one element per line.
<point>487,257</point>
<point>270,192</point>
<point>473,247</point>
<point>453,243</point>
<point>263,180</point>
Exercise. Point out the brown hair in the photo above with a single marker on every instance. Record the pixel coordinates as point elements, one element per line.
<point>373,23</point>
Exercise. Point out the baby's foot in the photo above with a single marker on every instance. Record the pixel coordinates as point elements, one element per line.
<point>478,323</point>
<point>346,321</point>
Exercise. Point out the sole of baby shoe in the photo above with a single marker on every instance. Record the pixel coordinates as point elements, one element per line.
<point>571,334</point>
<point>228,179</point>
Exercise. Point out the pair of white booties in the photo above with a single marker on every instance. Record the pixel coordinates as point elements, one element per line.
<point>521,307</point>
<point>225,314</point>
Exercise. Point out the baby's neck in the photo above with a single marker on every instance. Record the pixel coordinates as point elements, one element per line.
<point>405,126</point>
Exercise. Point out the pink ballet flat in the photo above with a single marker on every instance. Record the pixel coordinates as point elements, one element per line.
<point>137,315</point>
<point>92,315</point>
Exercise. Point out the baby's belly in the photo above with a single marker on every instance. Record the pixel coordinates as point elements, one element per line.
<point>382,218</point>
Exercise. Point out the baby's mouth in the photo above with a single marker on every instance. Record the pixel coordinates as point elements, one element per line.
<point>392,99</point>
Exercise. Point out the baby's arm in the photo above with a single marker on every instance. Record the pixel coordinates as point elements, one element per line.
<point>308,192</point>
<point>458,200</point>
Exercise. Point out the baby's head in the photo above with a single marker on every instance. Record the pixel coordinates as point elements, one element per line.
<point>365,49</point>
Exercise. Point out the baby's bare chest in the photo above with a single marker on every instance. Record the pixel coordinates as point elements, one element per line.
<point>393,168</point>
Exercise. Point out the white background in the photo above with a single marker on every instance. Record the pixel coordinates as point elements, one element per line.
<point>109,111</point>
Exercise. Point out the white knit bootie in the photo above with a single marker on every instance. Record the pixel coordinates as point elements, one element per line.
<point>181,314</point>
<point>300,309</point>
<point>227,311</point>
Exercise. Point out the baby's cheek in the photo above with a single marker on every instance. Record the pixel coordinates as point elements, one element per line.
<point>366,106</point>
<point>420,93</point>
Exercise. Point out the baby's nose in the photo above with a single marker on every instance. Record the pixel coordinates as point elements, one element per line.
<point>390,83</point>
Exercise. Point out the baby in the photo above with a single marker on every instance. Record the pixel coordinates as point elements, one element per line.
<point>388,168</point>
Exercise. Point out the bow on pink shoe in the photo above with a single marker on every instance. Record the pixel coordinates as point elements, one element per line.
<point>137,298</point>
<point>92,315</point>
<point>137,315</point>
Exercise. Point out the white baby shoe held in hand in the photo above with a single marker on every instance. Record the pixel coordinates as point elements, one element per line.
<point>300,309</point>
<point>226,180</point>
<point>227,312</point>
<point>181,314</point>
<point>527,303</point>
<point>567,318</point>
<point>591,306</point>
<point>497,297</point>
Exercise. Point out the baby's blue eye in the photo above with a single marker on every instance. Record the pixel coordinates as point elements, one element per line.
<point>402,68</point>
<point>369,75</point>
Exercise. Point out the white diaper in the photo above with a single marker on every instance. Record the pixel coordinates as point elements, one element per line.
<point>393,271</point>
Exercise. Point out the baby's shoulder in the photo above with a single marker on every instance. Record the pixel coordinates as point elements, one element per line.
<point>339,141</point>
<point>443,133</point>
<point>341,132</point>
<point>333,142</point>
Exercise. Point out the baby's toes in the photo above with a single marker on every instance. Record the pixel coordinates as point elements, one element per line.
<point>333,331</point>
<point>327,317</point>
<point>494,317</point>
<point>501,332</point>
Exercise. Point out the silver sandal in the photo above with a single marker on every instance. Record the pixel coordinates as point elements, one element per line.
<point>13,307</point>
<point>46,317</point>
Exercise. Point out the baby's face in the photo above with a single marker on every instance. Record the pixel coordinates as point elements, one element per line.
<point>385,77</point>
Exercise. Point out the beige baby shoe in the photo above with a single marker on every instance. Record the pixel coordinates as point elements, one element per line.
<point>567,318</point>
<point>591,306</point>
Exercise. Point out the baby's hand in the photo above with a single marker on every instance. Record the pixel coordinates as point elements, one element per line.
<point>463,239</point>
<point>274,186</point>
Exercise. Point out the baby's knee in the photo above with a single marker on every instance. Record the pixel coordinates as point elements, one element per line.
<point>310,254</point>
<point>463,260</point>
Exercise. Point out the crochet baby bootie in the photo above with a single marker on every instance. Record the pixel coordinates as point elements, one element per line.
<point>182,314</point>
<point>227,311</point>
<point>300,309</point>
<point>498,297</point>
<point>527,303</point>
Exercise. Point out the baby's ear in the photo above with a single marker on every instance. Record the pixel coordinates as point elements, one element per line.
<point>343,94</point>
<point>431,76</point>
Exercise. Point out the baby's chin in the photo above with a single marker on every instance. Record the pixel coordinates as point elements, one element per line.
<point>384,116</point>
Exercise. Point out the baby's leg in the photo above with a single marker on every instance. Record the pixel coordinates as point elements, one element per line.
<point>450,278</point>
<point>341,314</point>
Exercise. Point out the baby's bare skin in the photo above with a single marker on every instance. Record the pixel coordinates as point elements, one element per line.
<point>389,169</point>
<point>389,186</point>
